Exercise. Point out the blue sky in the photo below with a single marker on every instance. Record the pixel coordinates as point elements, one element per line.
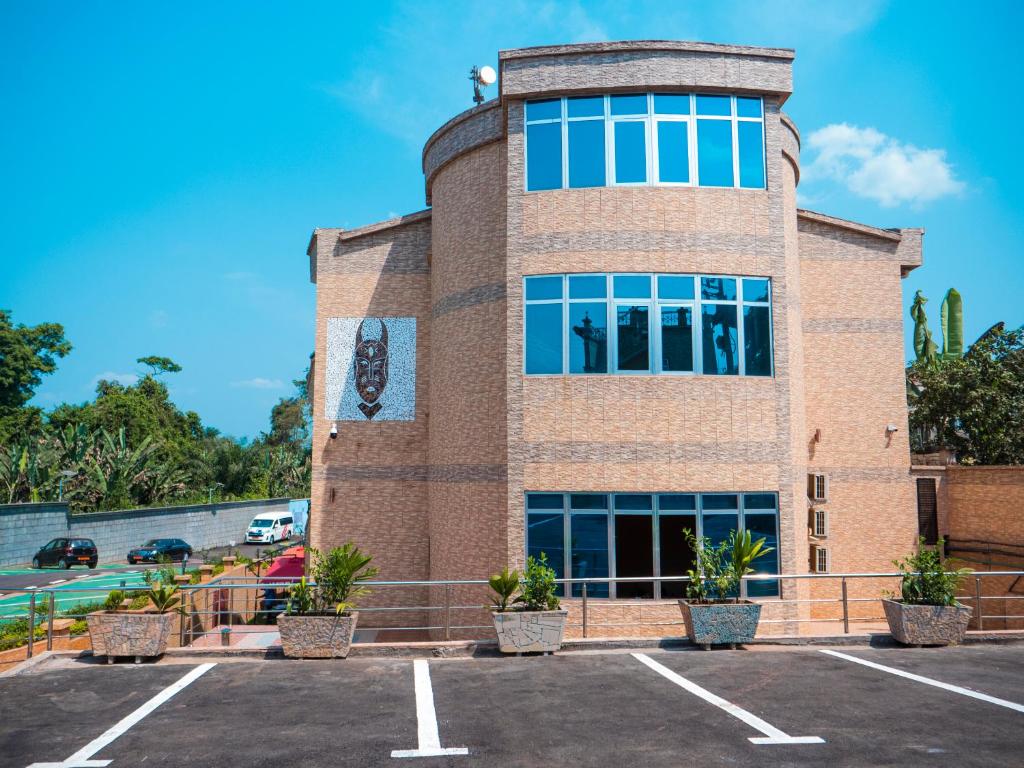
<point>164,164</point>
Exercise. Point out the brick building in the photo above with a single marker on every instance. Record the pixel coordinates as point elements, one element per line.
<point>613,323</point>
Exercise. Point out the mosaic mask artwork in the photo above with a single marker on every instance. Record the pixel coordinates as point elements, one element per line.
<point>371,369</point>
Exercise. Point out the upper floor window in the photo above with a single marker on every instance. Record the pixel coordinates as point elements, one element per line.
<point>646,138</point>
<point>643,323</point>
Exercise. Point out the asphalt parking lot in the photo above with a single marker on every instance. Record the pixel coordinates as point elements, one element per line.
<point>656,708</point>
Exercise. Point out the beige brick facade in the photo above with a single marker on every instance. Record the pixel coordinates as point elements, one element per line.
<point>443,496</point>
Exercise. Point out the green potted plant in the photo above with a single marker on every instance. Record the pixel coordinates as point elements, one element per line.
<point>318,622</point>
<point>143,633</point>
<point>927,612</point>
<point>713,611</point>
<point>533,621</point>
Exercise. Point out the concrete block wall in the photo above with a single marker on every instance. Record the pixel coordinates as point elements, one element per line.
<point>26,527</point>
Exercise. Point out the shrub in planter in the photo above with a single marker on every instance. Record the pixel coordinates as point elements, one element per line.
<point>533,621</point>
<point>144,633</point>
<point>927,612</point>
<point>713,612</point>
<point>319,622</point>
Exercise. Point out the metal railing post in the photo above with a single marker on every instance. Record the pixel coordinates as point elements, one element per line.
<point>49,622</point>
<point>447,611</point>
<point>977,597</point>
<point>584,608</point>
<point>31,623</point>
<point>846,609</point>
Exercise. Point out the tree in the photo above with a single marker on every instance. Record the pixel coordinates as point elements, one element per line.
<point>973,405</point>
<point>27,353</point>
<point>159,365</point>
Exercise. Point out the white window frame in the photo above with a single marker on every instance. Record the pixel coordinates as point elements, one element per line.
<point>650,120</point>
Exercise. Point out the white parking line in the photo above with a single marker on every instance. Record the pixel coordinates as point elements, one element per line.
<point>58,581</point>
<point>772,735</point>
<point>928,681</point>
<point>81,758</point>
<point>426,719</point>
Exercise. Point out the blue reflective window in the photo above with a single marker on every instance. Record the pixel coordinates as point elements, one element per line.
<point>545,534</point>
<point>543,287</point>
<point>748,107</point>
<point>633,104</point>
<point>673,152</point>
<point>757,341</point>
<point>751,149</point>
<point>686,502</point>
<point>588,286</point>
<point>764,526</point>
<point>544,501</point>
<point>677,339</point>
<point>714,153</point>
<point>713,105</point>
<point>755,289</point>
<point>545,109</point>
<point>544,338</point>
<point>633,337</point>
<point>586,153</point>
<point>632,286</point>
<point>590,552</point>
<point>588,337</point>
<point>630,152</point>
<point>588,501</point>
<point>718,288</point>
<point>719,527</point>
<point>716,501</point>
<point>671,104</point>
<point>544,156</point>
<point>633,502</point>
<point>758,501</point>
<point>675,287</point>
<point>719,343</point>
<point>586,106</point>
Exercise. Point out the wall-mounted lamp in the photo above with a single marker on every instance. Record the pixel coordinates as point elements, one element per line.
<point>334,431</point>
<point>890,428</point>
<point>481,77</point>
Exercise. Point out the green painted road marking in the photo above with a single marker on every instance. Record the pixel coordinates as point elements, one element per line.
<point>29,571</point>
<point>67,596</point>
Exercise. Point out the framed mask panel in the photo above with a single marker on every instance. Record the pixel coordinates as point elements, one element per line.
<point>371,369</point>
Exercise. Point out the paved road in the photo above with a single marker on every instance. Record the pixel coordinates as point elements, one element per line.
<point>586,709</point>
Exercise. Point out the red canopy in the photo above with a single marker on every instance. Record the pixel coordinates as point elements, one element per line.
<point>289,565</point>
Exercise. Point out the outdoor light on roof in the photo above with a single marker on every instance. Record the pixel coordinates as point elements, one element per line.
<point>481,77</point>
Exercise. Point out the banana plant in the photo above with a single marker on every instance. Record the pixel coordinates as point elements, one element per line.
<point>952,318</point>
<point>924,347</point>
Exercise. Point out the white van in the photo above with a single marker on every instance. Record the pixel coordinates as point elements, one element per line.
<point>269,527</point>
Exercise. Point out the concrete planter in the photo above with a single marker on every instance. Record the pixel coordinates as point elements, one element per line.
<point>927,624</point>
<point>720,623</point>
<point>129,634</point>
<point>530,631</point>
<point>317,637</point>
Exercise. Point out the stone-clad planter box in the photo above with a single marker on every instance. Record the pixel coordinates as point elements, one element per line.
<point>124,633</point>
<point>317,637</point>
<point>927,624</point>
<point>720,623</point>
<point>530,631</point>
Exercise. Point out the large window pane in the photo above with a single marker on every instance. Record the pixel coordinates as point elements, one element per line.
<point>633,327</point>
<point>720,339</point>
<point>544,156</point>
<point>713,105</point>
<point>634,554</point>
<point>544,338</point>
<point>718,527</point>
<point>586,153</point>
<point>630,152</point>
<point>633,104</point>
<point>588,286</point>
<point>748,107</point>
<point>672,103</point>
<point>751,144</point>
<point>757,341</point>
<point>673,152</point>
<point>632,286</point>
<point>586,106</point>
<point>544,109</point>
<point>675,287</point>
<point>590,552</point>
<point>714,153</point>
<point>544,287</point>
<point>718,288</point>
<point>588,344</point>
<point>755,289</point>
<point>676,556</point>
<point>764,526</point>
<point>676,338</point>
<point>545,533</point>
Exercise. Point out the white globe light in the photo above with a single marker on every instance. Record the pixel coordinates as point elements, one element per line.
<point>488,75</point>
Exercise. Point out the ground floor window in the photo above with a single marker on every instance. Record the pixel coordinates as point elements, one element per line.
<point>638,535</point>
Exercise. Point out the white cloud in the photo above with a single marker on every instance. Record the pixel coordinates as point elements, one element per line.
<point>258,383</point>
<point>127,379</point>
<point>878,167</point>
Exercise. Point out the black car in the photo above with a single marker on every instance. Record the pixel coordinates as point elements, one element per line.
<point>66,552</point>
<point>157,549</point>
